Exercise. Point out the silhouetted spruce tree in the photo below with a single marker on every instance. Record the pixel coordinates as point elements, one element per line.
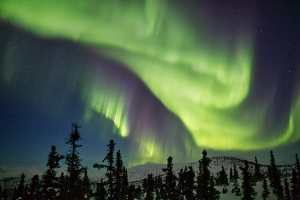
<point>148,187</point>
<point>25,193</point>
<point>158,187</point>
<point>110,169</point>
<point>15,193</point>
<point>118,176</point>
<point>297,165</point>
<point>170,180</point>
<point>21,186</point>
<point>131,191</point>
<point>62,185</point>
<point>49,179</point>
<point>138,192</point>
<point>181,181</point>
<point>4,192</point>
<point>189,189</point>
<point>205,189</point>
<point>235,172</point>
<point>265,193</point>
<point>86,187</point>
<point>186,183</point>
<point>74,169</point>
<point>124,186</point>
<point>231,175</point>
<point>100,191</point>
<point>236,188</point>
<point>213,193</point>
<point>34,193</point>
<point>257,172</point>
<point>248,192</point>
<point>287,194</point>
<point>223,177</point>
<point>297,185</point>
<point>294,189</point>
<point>275,181</point>
<point>1,191</point>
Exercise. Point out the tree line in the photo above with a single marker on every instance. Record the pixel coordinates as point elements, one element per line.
<point>187,184</point>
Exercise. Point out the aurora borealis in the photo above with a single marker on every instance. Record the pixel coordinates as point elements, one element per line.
<point>160,77</point>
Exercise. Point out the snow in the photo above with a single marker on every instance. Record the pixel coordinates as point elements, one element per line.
<point>137,173</point>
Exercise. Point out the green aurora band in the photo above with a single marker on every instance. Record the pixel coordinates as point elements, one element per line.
<point>204,83</point>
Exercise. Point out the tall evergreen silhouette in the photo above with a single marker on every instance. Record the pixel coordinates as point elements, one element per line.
<point>85,187</point>
<point>235,172</point>
<point>287,193</point>
<point>148,187</point>
<point>205,185</point>
<point>266,193</point>
<point>34,193</point>
<point>223,177</point>
<point>248,192</point>
<point>21,186</point>
<point>110,169</point>
<point>275,181</point>
<point>186,183</point>
<point>100,191</point>
<point>295,180</point>
<point>257,171</point>
<point>74,167</point>
<point>49,179</point>
<point>170,180</point>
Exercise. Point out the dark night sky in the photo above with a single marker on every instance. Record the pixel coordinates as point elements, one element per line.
<point>160,78</point>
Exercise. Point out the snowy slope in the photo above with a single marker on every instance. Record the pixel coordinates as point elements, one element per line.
<point>137,173</point>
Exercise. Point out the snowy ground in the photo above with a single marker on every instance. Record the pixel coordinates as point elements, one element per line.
<point>138,173</point>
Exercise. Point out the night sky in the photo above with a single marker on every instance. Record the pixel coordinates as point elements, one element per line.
<point>159,77</point>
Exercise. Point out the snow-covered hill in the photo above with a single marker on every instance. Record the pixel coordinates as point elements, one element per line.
<point>137,173</point>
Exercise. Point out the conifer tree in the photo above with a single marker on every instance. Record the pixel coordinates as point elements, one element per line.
<point>34,188</point>
<point>138,192</point>
<point>236,188</point>
<point>205,189</point>
<point>124,185</point>
<point>25,192</point>
<point>148,187</point>
<point>213,193</point>
<point>49,179</point>
<point>131,191</point>
<point>235,172</point>
<point>275,181</point>
<point>297,166</point>
<point>158,187</point>
<point>257,172</point>
<point>110,169</point>
<point>86,190</point>
<point>231,175</point>
<point>21,186</point>
<point>15,193</point>
<point>118,176</point>
<point>181,181</point>
<point>62,181</point>
<point>74,169</point>
<point>5,193</point>
<point>266,193</point>
<point>248,192</point>
<point>287,194</point>
<point>100,191</point>
<point>186,183</point>
<point>295,193</point>
<point>170,180</point>
<point>223,177</point>
<point>297,178</point>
